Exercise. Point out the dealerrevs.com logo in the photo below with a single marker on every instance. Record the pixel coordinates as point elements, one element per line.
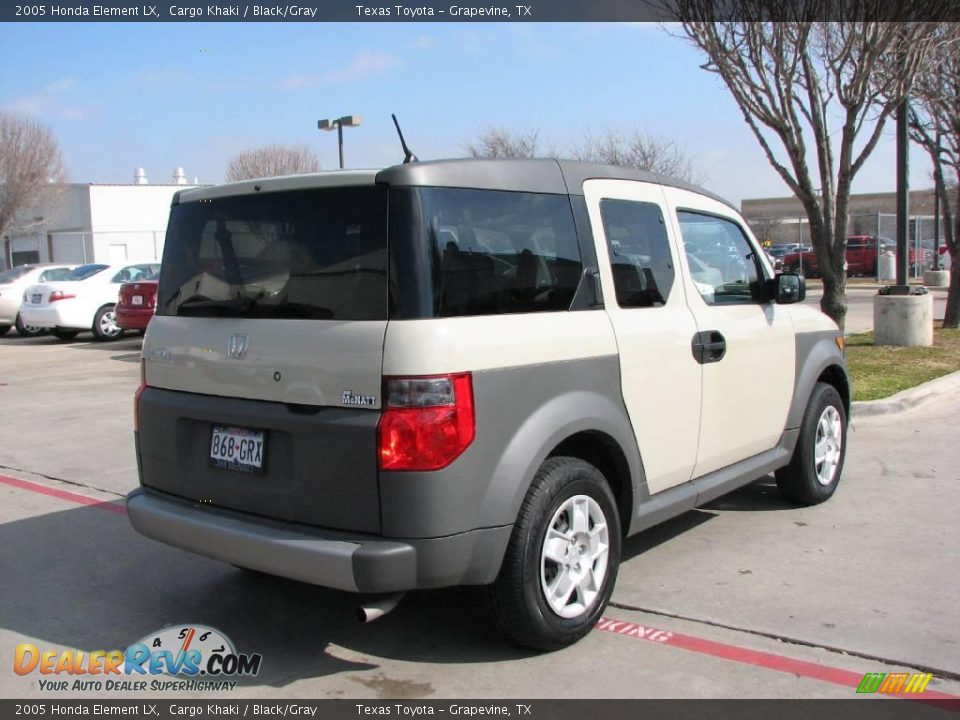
<point>197,656</point>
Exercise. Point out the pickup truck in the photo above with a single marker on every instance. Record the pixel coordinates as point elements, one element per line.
<point>862,255</point>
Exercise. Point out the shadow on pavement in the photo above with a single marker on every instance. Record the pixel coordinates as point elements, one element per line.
<point>82,578</point>
<point>757,496</point>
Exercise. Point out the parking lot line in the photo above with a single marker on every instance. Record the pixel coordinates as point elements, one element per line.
<point>62,494</point>
<point>757,658</point>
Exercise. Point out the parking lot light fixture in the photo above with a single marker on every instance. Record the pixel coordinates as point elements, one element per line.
<point>340,123</point>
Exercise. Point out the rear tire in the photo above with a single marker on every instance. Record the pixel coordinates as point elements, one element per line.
<point>561,563</point>
<point>814,470</point>
<point>105,325</point>
<point>27,330</point>
<point>64,335</point>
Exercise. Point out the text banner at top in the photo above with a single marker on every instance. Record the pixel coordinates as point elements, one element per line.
<point>447,11</point>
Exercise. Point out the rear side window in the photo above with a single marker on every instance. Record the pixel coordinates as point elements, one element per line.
<point>639,249</point>
<point>312,254</point>
<point>487,252</point>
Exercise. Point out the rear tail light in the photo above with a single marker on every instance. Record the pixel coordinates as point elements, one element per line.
<point>428,422</point>
<point>60,295</point>
<point>138,394</point>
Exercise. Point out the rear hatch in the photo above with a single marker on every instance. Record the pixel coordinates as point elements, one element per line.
<point>263,362</point>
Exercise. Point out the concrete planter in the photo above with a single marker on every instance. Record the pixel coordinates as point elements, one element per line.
<point>936,278</point>
<point>905,320</point>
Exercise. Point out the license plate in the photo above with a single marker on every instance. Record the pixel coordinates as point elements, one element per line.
<point>136,300</point>
<point>237,449</point>
<point>35,298</point>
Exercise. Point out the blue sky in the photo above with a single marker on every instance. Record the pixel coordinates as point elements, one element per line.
<point>161,95</point>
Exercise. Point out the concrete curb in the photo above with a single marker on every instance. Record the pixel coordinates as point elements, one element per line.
<point>907,399</point>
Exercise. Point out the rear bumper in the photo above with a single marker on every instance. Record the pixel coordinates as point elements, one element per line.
<point>46,317</point>
<point>134,319</point>
<point>356,563</point>
<point>63,313</point>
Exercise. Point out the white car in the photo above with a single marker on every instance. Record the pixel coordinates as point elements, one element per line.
<point>12,284</point>
<point>84,300</point>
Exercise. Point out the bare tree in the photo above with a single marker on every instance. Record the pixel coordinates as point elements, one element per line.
<point>763,227</point>
<point>499,142</point>
<point>794,79</point>
<point>272,160</point>
<point>636,150</point>
<point>31,170</point>
<point>935,126</point>
<point>641,151</point>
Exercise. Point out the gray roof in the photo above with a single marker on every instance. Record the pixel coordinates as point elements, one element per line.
<point>552,176</point>
<point>531,175</point>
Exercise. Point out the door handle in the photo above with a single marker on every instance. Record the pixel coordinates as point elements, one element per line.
<point>709,346</point>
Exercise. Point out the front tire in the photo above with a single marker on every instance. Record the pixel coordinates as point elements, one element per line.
<point>561,563</point>
<point>814,470</point>
<point>24,330</point>
<point>4,329</point>
<point>105,325</point>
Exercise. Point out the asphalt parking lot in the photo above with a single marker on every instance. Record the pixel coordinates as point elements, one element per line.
<point>749,597</point>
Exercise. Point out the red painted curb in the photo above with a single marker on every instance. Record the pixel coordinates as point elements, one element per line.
<point>757,658</point>
<point>62,495</point>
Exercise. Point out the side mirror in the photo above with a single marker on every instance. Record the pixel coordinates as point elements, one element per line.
<point>788,288</point>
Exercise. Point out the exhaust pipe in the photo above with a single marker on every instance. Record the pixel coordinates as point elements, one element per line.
<point>378,607</point>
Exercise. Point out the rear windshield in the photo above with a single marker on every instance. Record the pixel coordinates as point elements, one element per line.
<point>457,252</point>
<point>313,254</point>
<point>84,271</point>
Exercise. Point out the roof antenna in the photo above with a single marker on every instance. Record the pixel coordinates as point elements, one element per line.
<point>409,157</point>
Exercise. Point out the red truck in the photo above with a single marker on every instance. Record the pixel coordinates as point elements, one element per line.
<point>862,254</point>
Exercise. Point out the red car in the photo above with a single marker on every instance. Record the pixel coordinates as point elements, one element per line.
<point>137,303</point>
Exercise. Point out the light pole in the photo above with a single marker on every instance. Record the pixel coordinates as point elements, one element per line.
<point>340,123</point>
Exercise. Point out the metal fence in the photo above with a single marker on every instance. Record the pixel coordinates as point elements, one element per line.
<point>921,238</point>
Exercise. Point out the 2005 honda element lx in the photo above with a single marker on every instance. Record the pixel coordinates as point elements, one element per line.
<point>471,372</point>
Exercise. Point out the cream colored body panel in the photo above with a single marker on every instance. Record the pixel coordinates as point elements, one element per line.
<point>446,345</point>
<point>303,362</point>
<point>807,318</point>
<point>746,395</point>
<point>658,373</point>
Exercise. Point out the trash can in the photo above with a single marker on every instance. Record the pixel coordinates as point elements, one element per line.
<point>887,267</point>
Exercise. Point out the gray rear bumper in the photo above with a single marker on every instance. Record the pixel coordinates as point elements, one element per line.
<point>330,559</point>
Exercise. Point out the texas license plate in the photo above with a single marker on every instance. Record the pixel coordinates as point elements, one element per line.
<point>137,300</point>
<point>237,449</point>
<point>37,297</point>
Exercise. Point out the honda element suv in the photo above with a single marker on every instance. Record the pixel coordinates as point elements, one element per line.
<point>471,372</point>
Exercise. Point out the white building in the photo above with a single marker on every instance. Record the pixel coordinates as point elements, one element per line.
<point>92,222</point>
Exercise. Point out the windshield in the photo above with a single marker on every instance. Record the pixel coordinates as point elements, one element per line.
<point>12,274</point>
<point>315,254</point>
<point>83,272</point>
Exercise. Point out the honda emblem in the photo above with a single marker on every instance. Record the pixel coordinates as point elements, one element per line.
<point>237,346</point>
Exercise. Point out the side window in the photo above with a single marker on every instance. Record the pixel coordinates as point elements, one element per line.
<point>498,252</point>
<point>643,272</point>
<point>722,262</point>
